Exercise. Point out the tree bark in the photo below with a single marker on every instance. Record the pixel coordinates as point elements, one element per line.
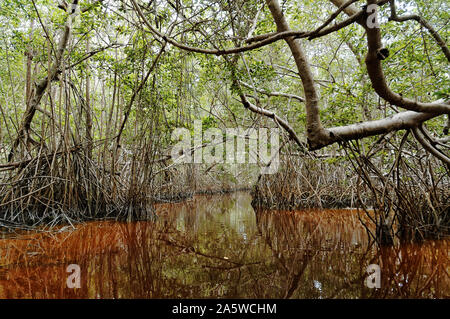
<point>315,132</point>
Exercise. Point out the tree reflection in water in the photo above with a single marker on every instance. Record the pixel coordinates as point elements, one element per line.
<point>219,247</point>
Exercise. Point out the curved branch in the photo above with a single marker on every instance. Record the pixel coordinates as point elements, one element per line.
<point>272,38</point>
<point>257,41</point>
<point>424,23</point>
<point>378,80</point>
<point>284,124</point>
<point>430,148</point>
<point>400,121</point>
<point>335,14</point>
<point>314,129</point>
<point>431,139</point>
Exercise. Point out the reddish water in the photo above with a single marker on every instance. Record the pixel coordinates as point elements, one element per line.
<point>219,247</point>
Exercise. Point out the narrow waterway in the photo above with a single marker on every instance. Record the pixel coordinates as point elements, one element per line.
<point>219,247</point>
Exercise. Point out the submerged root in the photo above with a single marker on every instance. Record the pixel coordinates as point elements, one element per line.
<point>411,194</point>
<point>65,188</point>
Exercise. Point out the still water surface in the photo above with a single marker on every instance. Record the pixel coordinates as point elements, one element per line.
<point>219,247</point>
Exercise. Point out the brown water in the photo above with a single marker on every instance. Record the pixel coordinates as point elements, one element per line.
<point>218,247</point>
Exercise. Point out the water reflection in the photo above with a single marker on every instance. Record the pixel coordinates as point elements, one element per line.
<point>218,247</point>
